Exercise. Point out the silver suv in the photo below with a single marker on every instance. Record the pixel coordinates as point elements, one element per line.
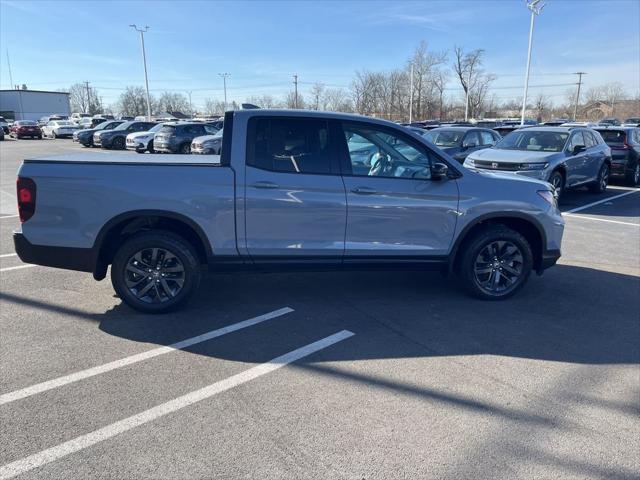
<point>566,157</point>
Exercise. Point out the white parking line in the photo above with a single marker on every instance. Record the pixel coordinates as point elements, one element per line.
<point>8,269</point>
<point>8,216</point>
<point>107,367</point>
<point>49,455</point>
<point>604,200</point>
<point>584,217</point>
<point>5,255</point>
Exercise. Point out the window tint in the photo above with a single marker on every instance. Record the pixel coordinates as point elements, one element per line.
<point>576,139</point>
<point>377,152</point>
<point>290,145</point>
<point>589,140</point>
<point>487,138</point>
<point>445,138</point>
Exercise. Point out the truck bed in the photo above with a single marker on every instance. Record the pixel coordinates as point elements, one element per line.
<point>125,158</point>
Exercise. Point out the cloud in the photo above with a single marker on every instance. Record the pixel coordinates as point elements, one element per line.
<point>438,21</point>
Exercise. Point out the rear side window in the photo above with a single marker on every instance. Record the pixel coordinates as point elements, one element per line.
<point>194,130</point>
<point>487,138</point>
<point>169,129</point>
<point>589,139</point>
<point>289,145</point>
<point>613,136</point>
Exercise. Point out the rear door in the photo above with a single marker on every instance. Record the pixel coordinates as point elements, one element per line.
<point>294,195</point>
<point>594,156</point>
<point>395,210</point>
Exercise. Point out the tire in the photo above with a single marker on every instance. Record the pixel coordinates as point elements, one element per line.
<point>185,149</point>
<point>53,134</point>
<point>157,293</point>
<point>118,143</point>
<point>478,271</point>
<point>150,147</point>
<point>39,137</point>
<point>557,180</point>
<point>633,177</point>
<point>600,185</point>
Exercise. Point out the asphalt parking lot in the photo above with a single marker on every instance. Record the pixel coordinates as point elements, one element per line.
<point>324,375</point>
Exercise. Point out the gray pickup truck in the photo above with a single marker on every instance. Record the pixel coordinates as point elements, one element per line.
<point>292,190</point>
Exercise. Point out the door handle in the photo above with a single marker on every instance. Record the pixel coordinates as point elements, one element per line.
<point>263,185</point>
<point>364,190</point>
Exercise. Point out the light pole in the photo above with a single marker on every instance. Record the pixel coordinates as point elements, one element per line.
<point>535,10</point>
<point>295,98</point>
<point>224,81</point>
<point>575,105</point>
<point>144,62</point>
<point>411,95</point>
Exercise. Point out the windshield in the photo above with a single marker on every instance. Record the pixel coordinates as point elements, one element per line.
<point>534,141</point>
<point>445,138</point>
<point>156,128</point>
<point>123,126</point>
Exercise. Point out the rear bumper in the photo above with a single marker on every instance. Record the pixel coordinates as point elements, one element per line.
<point>80,259</point>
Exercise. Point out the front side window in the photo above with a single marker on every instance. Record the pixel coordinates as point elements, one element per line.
<point>487,138</point>
<point>290,145</point>
<point>377,152</point>
<point>576,140</point>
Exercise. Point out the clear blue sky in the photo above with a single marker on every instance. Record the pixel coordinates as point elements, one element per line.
<point>262,44</point>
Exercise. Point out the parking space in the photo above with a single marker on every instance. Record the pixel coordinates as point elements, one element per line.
<point>328,375</point>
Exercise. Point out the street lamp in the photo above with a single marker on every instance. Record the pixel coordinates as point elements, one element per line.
<point>144,62</point>
<point>535,10</point>
<point>224,81</point>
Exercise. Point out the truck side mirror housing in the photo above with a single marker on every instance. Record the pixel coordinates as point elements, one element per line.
<point>439,171</point>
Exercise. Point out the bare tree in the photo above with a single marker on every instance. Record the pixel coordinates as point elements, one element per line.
<point>290,101</point>
<point>473,79</point>
<point>264,101</point>
<point>316,93</point>
<point>336,100</point>
<point>424,72</point>
<point>541,106</point>
<point>173,102</point>
<point>84,100</point>
<point>133,102</point>
<point>440,79</point>
<point>213,107</point>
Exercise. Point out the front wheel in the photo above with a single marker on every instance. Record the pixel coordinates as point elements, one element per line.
<point>185,149</point>
<point>496,263</point>
<point>557,180</point>
<point>155,272</point>
<point>118,143</point>
<point>633,177</point>
<point>600,185</point>
<point>150,147</point>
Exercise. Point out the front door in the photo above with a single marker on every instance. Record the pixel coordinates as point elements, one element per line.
<point>395,209</point>
<point>295,199</point>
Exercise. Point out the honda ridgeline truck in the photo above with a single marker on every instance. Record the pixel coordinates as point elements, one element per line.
<point>291,190</point>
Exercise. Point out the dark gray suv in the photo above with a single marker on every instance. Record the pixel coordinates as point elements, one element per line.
<point>177,137</point>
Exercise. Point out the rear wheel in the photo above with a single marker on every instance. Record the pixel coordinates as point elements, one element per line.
<point>600,185</point>
<point>633,177</point>
<point>186,148</point>
<point>53,134</point>
<point>155,272</point>
<point>496,263</point>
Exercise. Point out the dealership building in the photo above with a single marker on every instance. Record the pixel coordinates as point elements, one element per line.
<point>33,104</point>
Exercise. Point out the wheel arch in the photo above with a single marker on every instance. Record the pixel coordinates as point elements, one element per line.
<point>526,225</point>
<point>122,226</point>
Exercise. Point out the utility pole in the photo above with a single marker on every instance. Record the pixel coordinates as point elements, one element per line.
<point>19,91</point>
<point>86,83</point>
<point>144,62</point>
<point>575,106</point>
<point>535,10</point>
<point>411,95</point>
<point>295,99</point>
<point>224,81</point>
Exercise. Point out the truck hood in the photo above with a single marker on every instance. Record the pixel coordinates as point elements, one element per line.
<point>510,156</point>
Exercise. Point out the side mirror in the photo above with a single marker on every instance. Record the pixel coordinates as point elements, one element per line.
<point>469,144</point>
<point>578,149</point>
<point>439,171</point>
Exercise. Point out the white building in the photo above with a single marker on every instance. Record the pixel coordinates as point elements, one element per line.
<point>33,104</point>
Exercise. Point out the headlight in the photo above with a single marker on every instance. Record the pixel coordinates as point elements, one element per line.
<point>533,166</point>
<point>549,197</point>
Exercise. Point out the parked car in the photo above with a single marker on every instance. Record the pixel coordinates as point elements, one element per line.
<point>143,141</point>
<point>555,122</point>
<point>4,125</point>
<point>458,142</point>
<point>50,118</point>
<point>128,118</point>
<point>116,138</point>
<point>85,137</point>
<point>633,121</point>
<point>609,121</point>
<point>75,117</point>
<point>177,137</point>
<point>278,198</point>
<point>504,130</point>
<point>580,124</point>
<point>563,156</point>
<point>59,129</point>
<point>208,144</point>
<point>25,128</point>
<point>625,152</point>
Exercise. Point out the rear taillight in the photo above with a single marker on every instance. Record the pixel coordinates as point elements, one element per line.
<point>26,198</point>
<point>624,146</point>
